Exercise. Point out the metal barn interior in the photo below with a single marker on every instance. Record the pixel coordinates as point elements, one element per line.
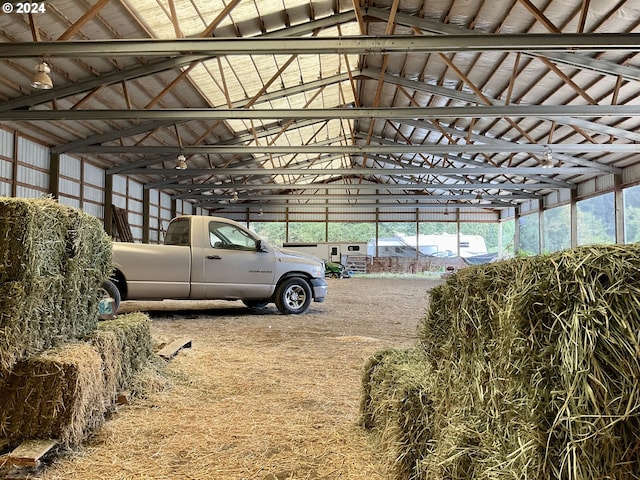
<point>521,112</point>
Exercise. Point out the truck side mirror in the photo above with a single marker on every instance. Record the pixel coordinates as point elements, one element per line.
<point>260,246</point>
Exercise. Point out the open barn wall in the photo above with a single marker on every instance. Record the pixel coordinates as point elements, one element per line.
<point>26,168</point>
<point>26,171</point>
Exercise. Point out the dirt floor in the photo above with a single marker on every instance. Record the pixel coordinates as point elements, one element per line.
<point>259,395</point>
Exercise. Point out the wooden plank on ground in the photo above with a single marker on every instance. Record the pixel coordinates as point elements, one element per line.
<point>171,349</point>
<point>29,452</point>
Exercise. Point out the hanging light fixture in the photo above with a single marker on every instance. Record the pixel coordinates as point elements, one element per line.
<point>478,198</point>
<point>41,79</point>
<point>548,158</point>
<point>182,162</point>
<point>234,197</point>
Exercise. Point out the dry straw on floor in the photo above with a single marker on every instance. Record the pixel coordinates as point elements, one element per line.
<point>536,369</point>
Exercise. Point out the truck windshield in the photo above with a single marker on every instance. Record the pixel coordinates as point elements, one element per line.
<point>178,233</point>
<point>230,237</point>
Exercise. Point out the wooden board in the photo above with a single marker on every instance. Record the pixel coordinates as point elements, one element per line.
<point>29,452</point>
<point>170,350</point>
<point>122,224</point>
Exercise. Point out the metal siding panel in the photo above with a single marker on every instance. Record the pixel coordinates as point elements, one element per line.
<point>135,218</point>
<point>94,175</point>
<point>605,183</point>
<point>154,197</point>
<point>5,189</point>
<point>587,188</point>
<point>26,192</point>
<point>72,202</point>
<point>32,153</point>
<point>70,167</point>
<point>93,194</point>
<point>391,216</point>
<point>165,201</point>
<point>136,189</point>
<point>33,177</point>
<point>135,206</point>
<point>631,174</point>
<point>6,143</point>
<point>528,206</point>
<point>136,232</point>
<point>93,209</point>
<point>6,169</point>
<point>306,216</point>
<point>119,184</point>
<point>355,217</point>
<point>69,187</point>
<point>119,201</point>
<point>165,214</point>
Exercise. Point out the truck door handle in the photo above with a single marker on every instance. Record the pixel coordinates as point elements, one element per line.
<point>214,257</point>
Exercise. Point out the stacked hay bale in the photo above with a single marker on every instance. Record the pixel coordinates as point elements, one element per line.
<point>124,345</point>
<point>533,371</point>
<point>59,370</point>
<point>52,261</point>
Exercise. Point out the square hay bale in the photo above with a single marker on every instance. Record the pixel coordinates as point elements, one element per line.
<point>397,406</point>
<point>57,394</point>
<point>125,346</point>
<point>87,264</point>
<point>53,259</point>
<point>32,239</point>
<point>537,368</point>
<point>30,318</point>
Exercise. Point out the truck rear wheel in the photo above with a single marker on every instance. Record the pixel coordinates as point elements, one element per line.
<point>293,296</point>
<point>110,290</point>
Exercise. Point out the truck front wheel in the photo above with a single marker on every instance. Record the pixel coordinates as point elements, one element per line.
<point>293,296</point>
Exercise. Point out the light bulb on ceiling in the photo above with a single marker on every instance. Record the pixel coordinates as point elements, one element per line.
<point>182,162</point>
<point>41,79</point>
<point>548,158</point>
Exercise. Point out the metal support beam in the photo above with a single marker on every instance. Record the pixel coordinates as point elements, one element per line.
<point>366,186</point>
<point>486,170</point>
<point>187,114</point>
<point>362,197</point>
<point>387,44</point>
<point>439,149</point>
<point>354,207</point>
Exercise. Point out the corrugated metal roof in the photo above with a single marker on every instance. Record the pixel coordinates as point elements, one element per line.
<point>278,80</point>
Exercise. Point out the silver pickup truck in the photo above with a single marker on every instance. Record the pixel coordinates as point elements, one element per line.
<point>217,259</point>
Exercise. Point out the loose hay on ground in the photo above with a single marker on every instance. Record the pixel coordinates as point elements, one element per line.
<point>261,397</point>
